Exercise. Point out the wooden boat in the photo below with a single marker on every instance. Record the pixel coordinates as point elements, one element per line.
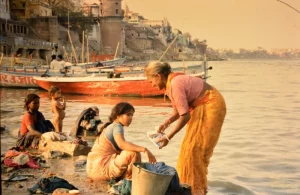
<point>127,86</point>
<point>106,63</point>
<point>20,77</point>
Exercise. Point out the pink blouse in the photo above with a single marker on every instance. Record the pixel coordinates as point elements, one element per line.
<point>183,91</point>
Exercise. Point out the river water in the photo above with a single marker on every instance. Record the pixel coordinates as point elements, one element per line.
<point>258,150</point>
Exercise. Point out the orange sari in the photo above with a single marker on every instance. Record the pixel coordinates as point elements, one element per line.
<point>203,130</point>
<point>105,161</point>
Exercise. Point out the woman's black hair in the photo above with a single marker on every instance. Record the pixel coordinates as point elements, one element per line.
<point>28,99</point>
<point>119,109</point>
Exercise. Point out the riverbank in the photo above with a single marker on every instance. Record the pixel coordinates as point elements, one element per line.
<point>60,167</point>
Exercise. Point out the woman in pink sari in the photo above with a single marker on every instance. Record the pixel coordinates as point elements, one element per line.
<point>112,156</point>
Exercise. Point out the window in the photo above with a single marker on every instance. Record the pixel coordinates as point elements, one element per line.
<point>117,3</point>
<point>117,11</point>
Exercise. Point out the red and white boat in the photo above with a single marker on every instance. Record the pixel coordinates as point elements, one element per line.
<point>127,86</point>
<point>20,77</point>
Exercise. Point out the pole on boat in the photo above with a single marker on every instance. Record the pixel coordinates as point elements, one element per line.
<point>71,41</point>
<point>66,54</point>
<point>116,50</point>
<point>167,48</point>
<point>87,48</point>
<point>72,47</point>
<point>1,58</point>
<point>183,65</point>
<point>82,48</point>
<point>47,60</point>
<point>204,67</point>
<point>100,38</point>
<point>11,60</point>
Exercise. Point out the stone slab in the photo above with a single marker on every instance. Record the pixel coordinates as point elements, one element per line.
<point>64,146</point>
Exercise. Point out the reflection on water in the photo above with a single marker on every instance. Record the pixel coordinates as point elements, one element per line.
<point>258,151</point>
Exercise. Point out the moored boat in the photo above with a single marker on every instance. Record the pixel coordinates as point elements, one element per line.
<point>20,77</point>
<point>127,86</point>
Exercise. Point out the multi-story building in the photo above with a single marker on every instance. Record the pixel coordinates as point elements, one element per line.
<point>4,9</point>
<point>112,26</point>
<point>30,8</point>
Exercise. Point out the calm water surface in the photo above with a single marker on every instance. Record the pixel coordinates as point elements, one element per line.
<point>258,151</point>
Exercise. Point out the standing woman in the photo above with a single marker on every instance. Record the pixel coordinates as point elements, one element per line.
<point>197,104</point>
<point>33,123</point>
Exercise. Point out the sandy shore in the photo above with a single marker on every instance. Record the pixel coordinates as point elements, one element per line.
<point>78,178</point>
<point>63,168</point>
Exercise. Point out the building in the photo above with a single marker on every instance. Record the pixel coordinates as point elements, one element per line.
<point>36,32</point>
<point>30,8</point>
<point>94,35</point>
<point>110,8</point>
<point>4,9</point>
<point>46,27</point>
<point>112,26</point>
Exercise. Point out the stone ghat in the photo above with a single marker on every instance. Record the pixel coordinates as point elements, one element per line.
<point>64,146</point>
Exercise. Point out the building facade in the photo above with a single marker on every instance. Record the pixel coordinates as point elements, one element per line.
<point>46,27</point>
<point>111,8</point>
<point>29,8</point>
<point>111,26</point>
<point>4,9</point>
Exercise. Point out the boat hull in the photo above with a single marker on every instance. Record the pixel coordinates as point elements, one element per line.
<point>8,79</point>
<point>127,86</point>
<point>114,87</point>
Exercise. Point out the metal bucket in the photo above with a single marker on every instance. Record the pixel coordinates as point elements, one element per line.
<point>145,182</point>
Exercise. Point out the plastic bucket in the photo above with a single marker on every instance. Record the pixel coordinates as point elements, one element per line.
<point>145,182</point>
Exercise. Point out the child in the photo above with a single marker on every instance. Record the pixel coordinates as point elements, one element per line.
<point>58,106</point>
<point>112,156</point>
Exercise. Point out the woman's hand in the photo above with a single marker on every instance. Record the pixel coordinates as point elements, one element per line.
<point>161,128</point>
<point>150,156</point>
<point>163,140</point>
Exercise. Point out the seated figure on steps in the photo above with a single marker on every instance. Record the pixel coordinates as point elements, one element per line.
<point>87,123</point>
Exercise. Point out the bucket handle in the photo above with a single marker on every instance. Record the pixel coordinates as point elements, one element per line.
<point>138,166</point>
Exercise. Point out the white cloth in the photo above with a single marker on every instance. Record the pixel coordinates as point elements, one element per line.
<point>53,136</point>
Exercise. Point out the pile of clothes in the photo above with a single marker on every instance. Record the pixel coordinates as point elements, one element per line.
<point>15,158</point>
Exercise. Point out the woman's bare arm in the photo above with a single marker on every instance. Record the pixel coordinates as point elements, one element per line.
<point>33,131</point>
<point>124,145</point>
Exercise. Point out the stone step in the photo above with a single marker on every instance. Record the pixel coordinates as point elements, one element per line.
<point>64,146</point>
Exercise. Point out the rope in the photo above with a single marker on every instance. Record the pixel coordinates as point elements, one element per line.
<point>289,6</point>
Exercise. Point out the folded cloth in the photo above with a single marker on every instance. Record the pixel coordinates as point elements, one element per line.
<point>21,159</point>
<point>53,136</point>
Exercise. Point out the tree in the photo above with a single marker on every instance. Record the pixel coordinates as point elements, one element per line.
<point>78,21</point>
<point>61,3</point>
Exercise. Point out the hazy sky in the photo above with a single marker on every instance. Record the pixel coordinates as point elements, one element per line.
<point>228,23</point>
